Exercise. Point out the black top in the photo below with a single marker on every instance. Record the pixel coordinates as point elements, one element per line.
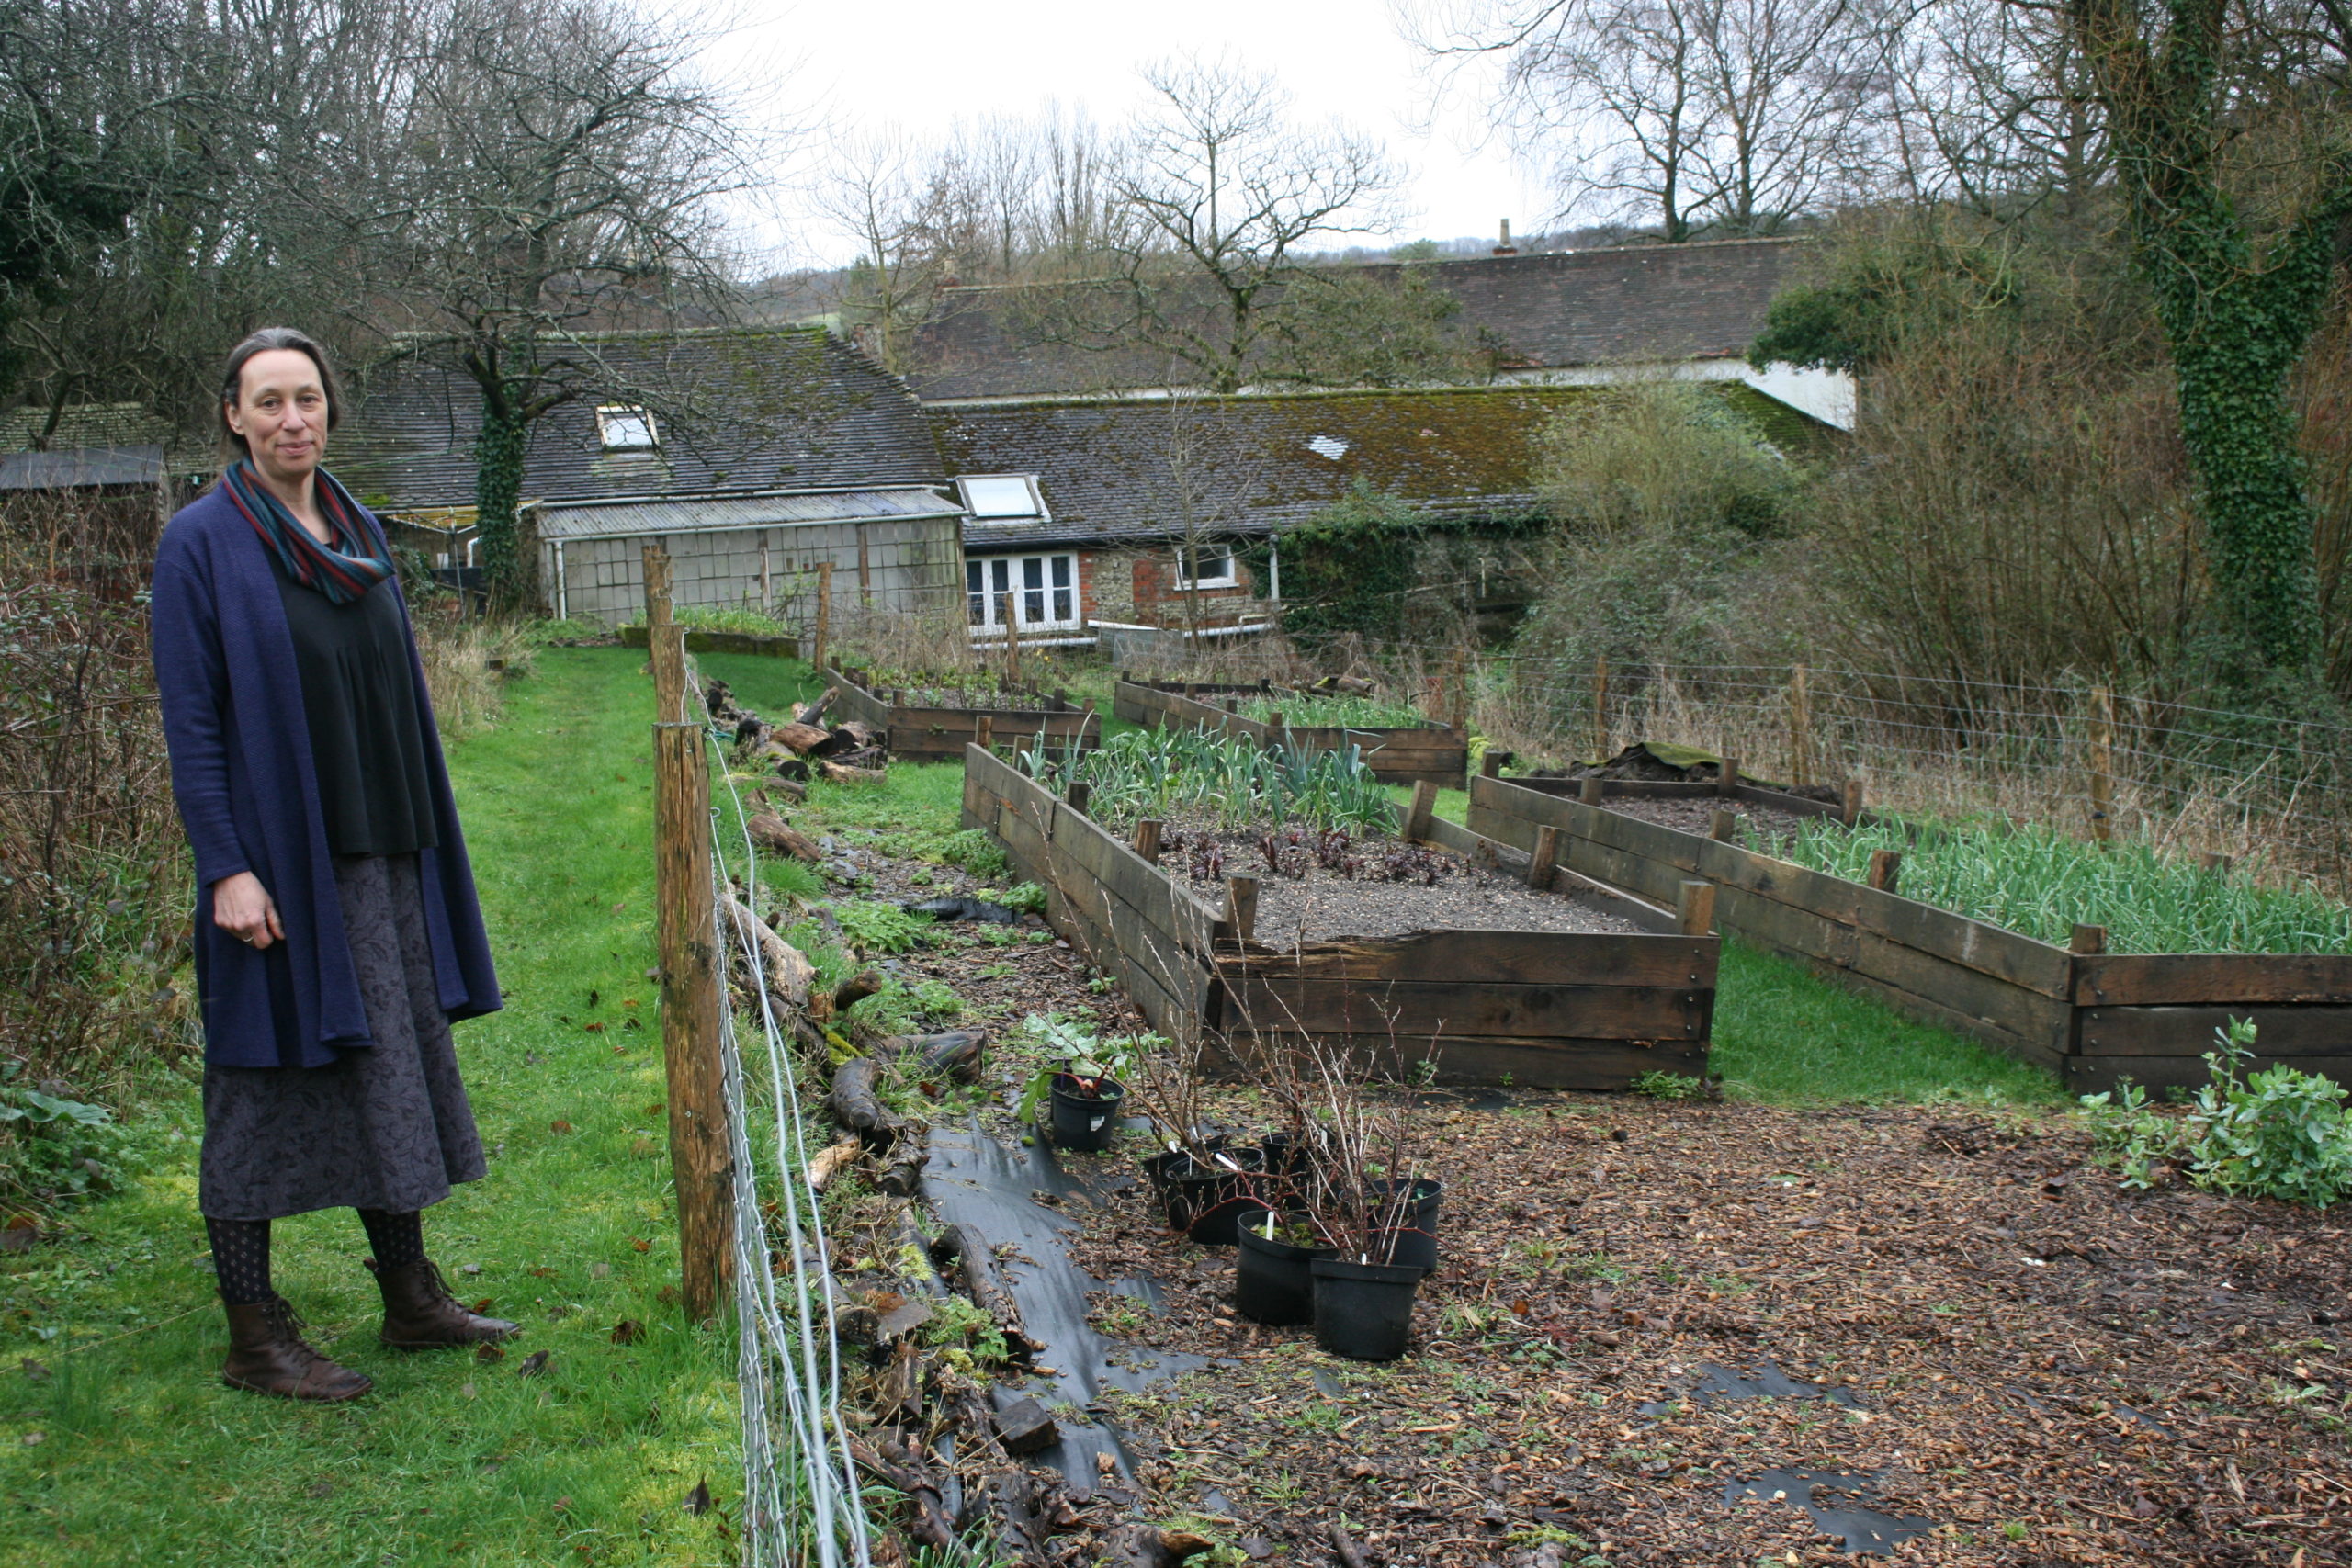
<point>367,741</point>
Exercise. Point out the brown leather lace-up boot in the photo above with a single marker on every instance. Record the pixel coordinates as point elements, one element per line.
<point>268,1355</point>
<point>421,1315</point>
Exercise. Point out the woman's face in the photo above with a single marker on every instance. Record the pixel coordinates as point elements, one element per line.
<point>281,411</point>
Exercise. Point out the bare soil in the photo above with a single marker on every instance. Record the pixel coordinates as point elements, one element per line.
<point>1696,814</point>
<point>1323,904</point>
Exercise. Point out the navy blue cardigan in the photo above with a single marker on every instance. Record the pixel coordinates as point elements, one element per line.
<point>249,798</point>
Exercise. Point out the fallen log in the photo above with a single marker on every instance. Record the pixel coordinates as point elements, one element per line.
<point>955,1055</point>
<point>856,988</point>
<point>841,772</point>
<point>813,711</point>
<point>893,1463</point>
<point>853,735</point>
<point>799,739</point>
<point>775,835</point>
<point>1139,1545</point>
<point>855,1106</point>
<point>788,972</point>
<point>975,1270</point>
<point>831,1161</point>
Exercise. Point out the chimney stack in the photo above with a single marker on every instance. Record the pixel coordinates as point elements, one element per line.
<point>1504,247</point>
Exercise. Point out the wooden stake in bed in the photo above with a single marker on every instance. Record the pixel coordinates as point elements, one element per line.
<point>1545,857</point>
<point>1241,906</point>
<point>1424,807</point>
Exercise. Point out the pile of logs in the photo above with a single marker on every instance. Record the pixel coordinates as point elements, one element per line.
<point>800,748</point>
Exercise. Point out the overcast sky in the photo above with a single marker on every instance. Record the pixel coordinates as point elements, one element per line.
<point>926,62</point>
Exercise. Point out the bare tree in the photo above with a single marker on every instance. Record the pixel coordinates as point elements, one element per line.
<point>1226,196</point>
<point>564,176</point>
<point>1722,117</point>
<point>885,193</point>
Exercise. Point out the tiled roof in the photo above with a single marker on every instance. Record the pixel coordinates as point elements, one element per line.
<point>87,426</point>
<point>1137,468</point>
<point>1628,303</point>
<point>785,408</point>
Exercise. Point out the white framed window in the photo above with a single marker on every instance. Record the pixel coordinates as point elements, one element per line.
<point>1205,566</point>
<point>624,429</point>
<point>1044,591</point>
<point>1001,495</point>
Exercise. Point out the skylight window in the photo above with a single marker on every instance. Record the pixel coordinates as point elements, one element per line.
<point>1329,447</point>
<point>1001,495</point>
<point>624,429</point>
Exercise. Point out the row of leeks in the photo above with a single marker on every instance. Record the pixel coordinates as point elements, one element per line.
<point>1237,783</point>
<point>2042,884</point>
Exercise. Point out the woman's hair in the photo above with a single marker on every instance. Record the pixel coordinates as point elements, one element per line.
<point>262,341</point>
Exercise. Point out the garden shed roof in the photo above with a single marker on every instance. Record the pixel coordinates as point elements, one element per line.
<point>82,468</point>
<point>742,411</point>
<point>633,518</point>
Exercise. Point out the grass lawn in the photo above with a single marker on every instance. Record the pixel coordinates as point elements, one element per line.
<point>144,1458</point>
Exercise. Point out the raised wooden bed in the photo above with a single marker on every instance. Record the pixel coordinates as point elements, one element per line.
<point>1543,1009</point>
<point>933,734</point>
<point>1404,754</point>
<point>2091,1017</point>
<point>699,640</point>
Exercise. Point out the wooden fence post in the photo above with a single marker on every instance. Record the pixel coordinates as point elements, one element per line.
<point>1722,825</point>
<point>701,1168</point>
<point>1850,811</point>
<point>1600,708</point>
<point>1800,727</point>
<point>1490,763</point>
<point>1147,839</point>
<point>2087,941</point>
<point>665,645</point>
<point>1886,866</point>
<point>1589,790</point>
<point>1011,641</point>
<point>984,732</point>
<point>1727,775</point>
<point>656,583</point>
<point>1695,909</point>
<point>2102,763</point>
<point>1079,794</point>
<point>1540,865</point>
<point>1424,807</point>
<point>824,614</point>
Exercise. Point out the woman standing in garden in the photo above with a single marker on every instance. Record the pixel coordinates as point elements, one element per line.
<point>337,934</point>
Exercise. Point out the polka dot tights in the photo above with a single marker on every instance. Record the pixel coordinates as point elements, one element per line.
<point>241,1250</point>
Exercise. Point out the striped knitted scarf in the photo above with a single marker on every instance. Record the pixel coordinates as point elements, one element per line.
<point>343,570</point>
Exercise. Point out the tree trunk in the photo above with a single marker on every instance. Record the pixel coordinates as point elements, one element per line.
<point>498,487</point>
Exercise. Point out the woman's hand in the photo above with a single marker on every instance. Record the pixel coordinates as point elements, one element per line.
<point>242,906</point>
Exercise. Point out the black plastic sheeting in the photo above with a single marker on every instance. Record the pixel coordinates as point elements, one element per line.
<point>1859,1527</point>
<point>1717,1384</point>
<point>971,1178</point>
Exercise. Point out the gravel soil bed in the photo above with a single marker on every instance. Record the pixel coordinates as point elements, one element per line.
<point>1325,904</point>
<point>2035,1366</point>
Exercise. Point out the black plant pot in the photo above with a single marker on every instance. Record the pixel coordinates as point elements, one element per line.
<point>1204,1202</point>
<point>1407,1237</point>
<point>1270,1278</point>
<point>1363,1311</point>
<point>1085,1122</point>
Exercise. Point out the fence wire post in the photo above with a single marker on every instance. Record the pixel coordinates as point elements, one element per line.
<point>1800,727</point>
<point>2102,779</point>
<point>701,1165</point>
<point>1600,708</point>
<point>824,614</point>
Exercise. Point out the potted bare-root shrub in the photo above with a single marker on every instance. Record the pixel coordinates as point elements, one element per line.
<point>1203,1182</point>
<point>1361,1206</point>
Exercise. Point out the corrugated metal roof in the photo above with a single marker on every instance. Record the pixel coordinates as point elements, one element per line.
<point>632,517</point>
<point>82,468</point>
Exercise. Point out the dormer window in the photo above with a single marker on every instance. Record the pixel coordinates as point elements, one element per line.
<point>626,429</point>
<point>1001,497</point>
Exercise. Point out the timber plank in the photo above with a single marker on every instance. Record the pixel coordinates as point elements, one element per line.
<point>2091,1074</point>
<point>2212,980</point>
<point>1493,957</point>
<point>2028,1015</point>
<point>2316,1030</point>
<point>1475,1009</point>
<point>1532,1064</point>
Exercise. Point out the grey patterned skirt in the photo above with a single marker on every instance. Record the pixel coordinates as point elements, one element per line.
<point>387,1127</point>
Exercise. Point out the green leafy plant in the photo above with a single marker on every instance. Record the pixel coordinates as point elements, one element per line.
<point>54,1147</point>
<point>965,1337</point>
<point>1069,1047</point>
<point>975,851</point>
<point>1023,899</point>
<point>2280,1132</point>
<point>1667,1086</point>
<point>873,927</point>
